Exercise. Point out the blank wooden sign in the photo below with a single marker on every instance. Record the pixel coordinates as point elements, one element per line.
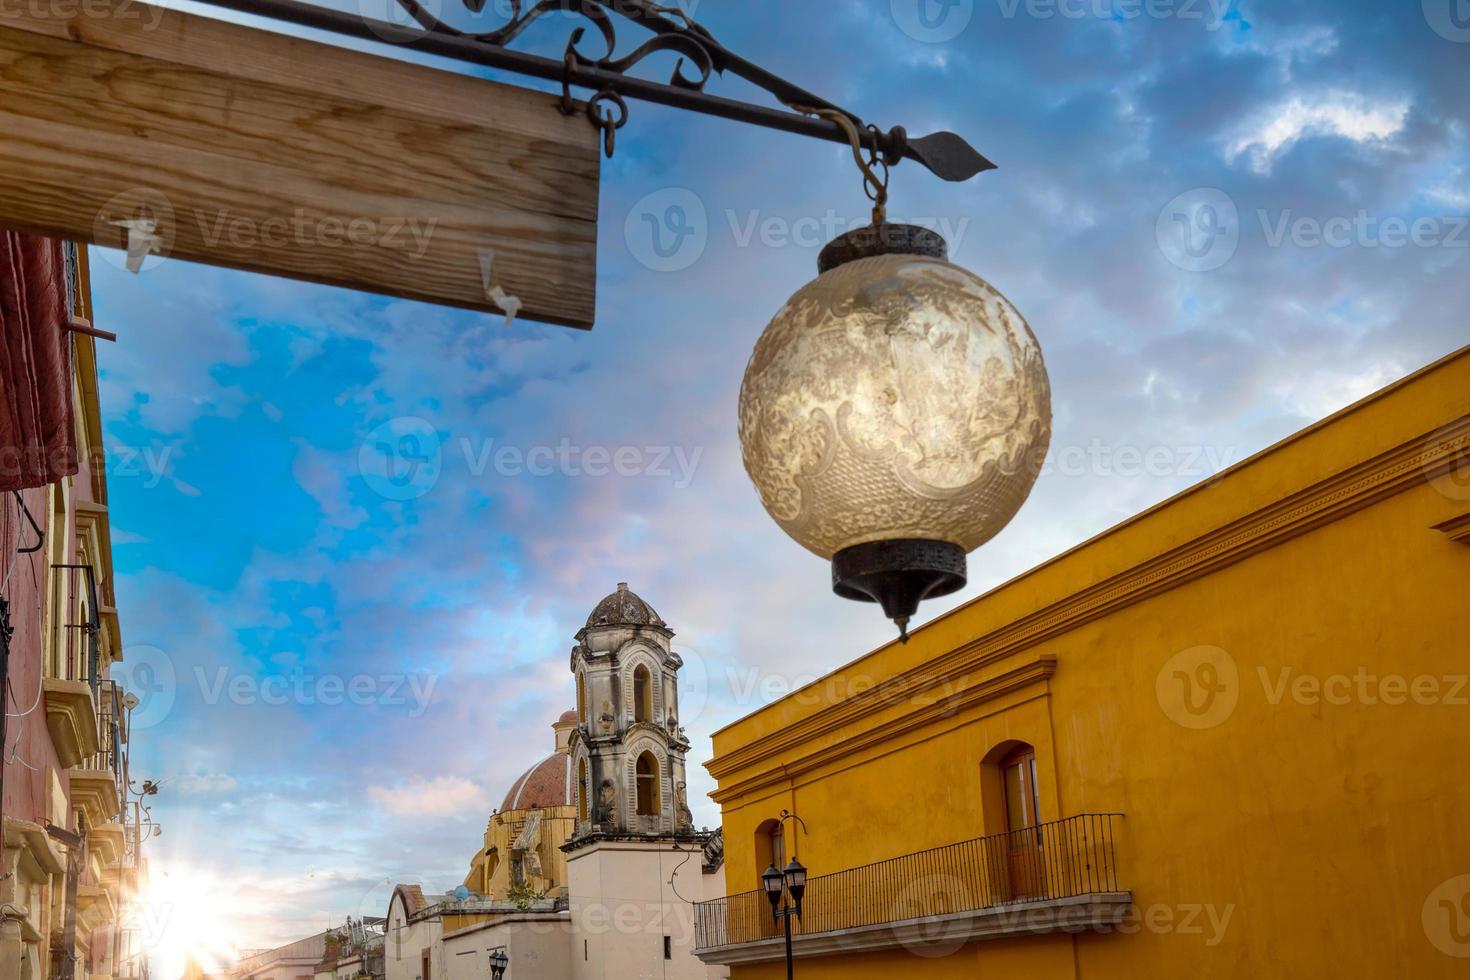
<point>238,147</point>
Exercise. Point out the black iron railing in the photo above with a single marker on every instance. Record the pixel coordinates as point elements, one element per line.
<point>1062,859</point>
<point>110,755</point>
<point>75,587</point>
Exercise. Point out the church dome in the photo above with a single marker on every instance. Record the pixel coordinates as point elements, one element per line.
<point>547,783</point>
<point>624,608</point>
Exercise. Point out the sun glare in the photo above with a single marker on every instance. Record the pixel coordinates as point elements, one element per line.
<point>180,915</point>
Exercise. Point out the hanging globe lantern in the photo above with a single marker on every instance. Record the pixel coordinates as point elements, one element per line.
<point>894,416</point>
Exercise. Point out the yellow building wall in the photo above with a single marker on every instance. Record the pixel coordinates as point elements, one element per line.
<point>490,876</point>
<point>1268,832</point>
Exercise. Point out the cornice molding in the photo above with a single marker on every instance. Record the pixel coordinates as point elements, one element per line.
<point>1417,462</point>
<point>1456,528</point>
<point>1032,673</point>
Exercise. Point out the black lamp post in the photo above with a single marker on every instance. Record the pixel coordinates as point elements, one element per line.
<point>779,885</point>
<point>498,962</point>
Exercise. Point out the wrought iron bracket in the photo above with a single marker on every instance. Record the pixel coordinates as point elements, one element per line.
<point>945,154</point>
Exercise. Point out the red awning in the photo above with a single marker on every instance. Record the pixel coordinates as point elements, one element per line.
<point>37,433</point>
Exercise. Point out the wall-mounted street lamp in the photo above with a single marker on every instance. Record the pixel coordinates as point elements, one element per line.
<point>896,412</point>
<point>785,889</point>
<point>498,963</point>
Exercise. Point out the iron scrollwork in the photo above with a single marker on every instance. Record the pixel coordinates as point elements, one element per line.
<point>701,56</point>
<point>673,31</point>
<point>609,76</point>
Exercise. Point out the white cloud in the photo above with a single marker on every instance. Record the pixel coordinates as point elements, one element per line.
<point>437,797</point>
<point>1317,394</point>
<point>1337,113</point>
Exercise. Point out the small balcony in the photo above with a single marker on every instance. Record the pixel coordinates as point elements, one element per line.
<point>71,718</point>
<point>97,783</point>
<point>1054,877</point>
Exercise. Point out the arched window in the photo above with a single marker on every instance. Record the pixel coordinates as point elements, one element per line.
<point>1023,800</point>
<point>581,699</point>
<point>770,846</point>
<point>642,694</point>
<point>647,784</point>
<point>582,787</point>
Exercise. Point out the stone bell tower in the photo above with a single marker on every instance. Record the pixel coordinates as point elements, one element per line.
<point>628,749</point>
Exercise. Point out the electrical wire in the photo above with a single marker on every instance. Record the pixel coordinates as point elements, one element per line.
<point>36,703</point>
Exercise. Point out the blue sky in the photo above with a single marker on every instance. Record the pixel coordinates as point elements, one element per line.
<point>1222,220</point>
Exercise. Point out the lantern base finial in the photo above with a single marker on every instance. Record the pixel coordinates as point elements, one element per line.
<point>898,575</point>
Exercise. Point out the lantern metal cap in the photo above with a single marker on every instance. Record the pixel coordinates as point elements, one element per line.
<point>898,575</point>
<point>882,239</point>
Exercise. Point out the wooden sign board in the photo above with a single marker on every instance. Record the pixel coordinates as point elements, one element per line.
<point>238,147</point>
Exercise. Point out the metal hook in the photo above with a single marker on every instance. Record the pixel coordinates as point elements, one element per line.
<point>570,62</point>
<point>788,815</point>
<point>40,534</point>
<point>874,186</point>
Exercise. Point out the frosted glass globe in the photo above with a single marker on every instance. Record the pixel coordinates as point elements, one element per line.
<point>895,397</point>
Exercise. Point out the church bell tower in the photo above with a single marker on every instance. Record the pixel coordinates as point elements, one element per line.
<point>628,749</point>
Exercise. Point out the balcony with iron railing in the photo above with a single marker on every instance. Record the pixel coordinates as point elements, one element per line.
<point>99,781</point>
<point>1054,877</point>
<point>73,675</point>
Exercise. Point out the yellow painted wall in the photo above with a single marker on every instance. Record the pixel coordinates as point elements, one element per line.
<point>501,831</point>
<point>1296,838</point>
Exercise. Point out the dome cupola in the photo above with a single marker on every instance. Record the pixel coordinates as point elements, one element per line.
<point>624,608</point>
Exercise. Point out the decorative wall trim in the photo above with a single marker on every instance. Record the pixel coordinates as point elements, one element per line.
<point>1033,672</point>
<point>1422,460</point>
<point>1457,529</point>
